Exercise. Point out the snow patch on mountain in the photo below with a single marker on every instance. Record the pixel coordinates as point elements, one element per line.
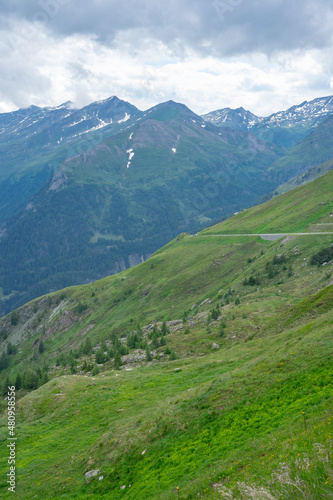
<point>130,158</point>
<point>314,111</point>
<point>125,119</point>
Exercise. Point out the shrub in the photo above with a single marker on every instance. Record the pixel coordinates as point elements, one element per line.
<point>81,307</point>
<point>325,255</point>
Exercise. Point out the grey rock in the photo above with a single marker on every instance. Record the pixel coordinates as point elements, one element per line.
<point>92,473</point>
<point>207,301</point>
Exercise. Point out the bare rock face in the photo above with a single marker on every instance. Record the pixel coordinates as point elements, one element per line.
<point>93,473</point>
<point>58,180</point>
<point>207,301</point>
<point>135,357</point>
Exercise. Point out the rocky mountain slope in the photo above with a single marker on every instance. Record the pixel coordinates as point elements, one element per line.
<point>35,141</point>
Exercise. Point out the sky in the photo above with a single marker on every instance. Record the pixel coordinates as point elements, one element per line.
<point>264,55</point>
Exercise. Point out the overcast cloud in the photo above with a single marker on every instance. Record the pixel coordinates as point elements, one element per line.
<point>264,55</point>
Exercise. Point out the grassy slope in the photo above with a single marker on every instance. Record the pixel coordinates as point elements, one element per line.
<point>291,212</point>
<point>308,176</point>
<point>229,417</point>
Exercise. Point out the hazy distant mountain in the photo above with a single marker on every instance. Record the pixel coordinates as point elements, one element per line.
<point>238,119</point>
<point>313,150</point>
<point>284,128</point>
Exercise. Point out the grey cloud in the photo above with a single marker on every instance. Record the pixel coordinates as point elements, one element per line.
<point>221,27</point>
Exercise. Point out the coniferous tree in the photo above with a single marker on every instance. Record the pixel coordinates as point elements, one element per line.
<point>164,329</point>
<point>167,350</point>
<point>117,360</point>
<point>100,357</point>
<point>148,355</point>
<point>87,349</point>
<point>41,347</point>
<point>18,381</point>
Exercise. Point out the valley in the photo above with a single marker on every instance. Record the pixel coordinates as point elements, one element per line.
<point>91,192</point>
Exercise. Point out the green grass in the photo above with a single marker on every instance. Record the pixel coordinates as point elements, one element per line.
<point>290,212</point>
<point>249,420</point>
<point>225,417</point>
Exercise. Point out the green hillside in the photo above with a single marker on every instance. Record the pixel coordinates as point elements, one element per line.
<point>138,391</point>
<point>310,175</point>
<point>294,211</point>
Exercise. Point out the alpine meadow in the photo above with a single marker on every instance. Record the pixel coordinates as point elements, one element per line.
<point>203,372</point>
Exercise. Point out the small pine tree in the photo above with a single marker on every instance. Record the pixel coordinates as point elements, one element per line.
<point>221,330</point>
<point>155,332</point>
<point>155,343</point>
<point>172,356</point>
<point>87,348</point>
<point>4,361</point>
<point>223,322</point>
<point>164,329</point>
<point>148,355</point>
<point>41,347</point>
<point>167,350</point>
<point>122,349</point>
<point>3,334</point>
<point>30,379</point>
<point>237,301</point>
<point>18,381</point>
<point>10,349</point>
<point>100,358</point>
<point>95,371</point>
<point>5,384</point>
<point>117,360</point>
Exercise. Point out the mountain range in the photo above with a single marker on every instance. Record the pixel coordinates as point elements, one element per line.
<point>89,192</point>
<point>284,128</point>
